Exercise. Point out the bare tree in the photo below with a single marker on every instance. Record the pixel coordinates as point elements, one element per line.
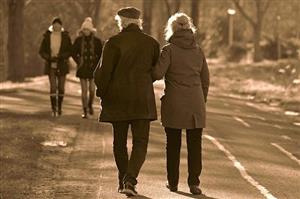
<point>15,44</point>
<point>261,8</point>
<point>88,8</point>
<point>147,17</point>
<point>97,6</point>
<point>195,12</point>
<point>172,6</point>
<point>3,41</point>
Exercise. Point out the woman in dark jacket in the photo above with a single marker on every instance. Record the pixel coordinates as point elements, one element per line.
<point>184,67</point>
<point>87,51</point>
<point>55,50</point>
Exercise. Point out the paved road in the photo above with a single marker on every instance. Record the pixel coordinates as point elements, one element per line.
<point>249,151</point>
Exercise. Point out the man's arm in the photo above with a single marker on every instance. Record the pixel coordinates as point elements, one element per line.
<point>105,68</point>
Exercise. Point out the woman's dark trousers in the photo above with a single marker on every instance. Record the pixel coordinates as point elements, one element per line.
<point>194,146</point>
<point>129,168</point>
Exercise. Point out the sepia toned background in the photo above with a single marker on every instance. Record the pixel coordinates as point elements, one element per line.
<point>251,145</point>
<point>273,24</point>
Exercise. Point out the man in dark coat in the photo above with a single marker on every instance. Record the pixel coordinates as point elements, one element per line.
<point>124,84</point>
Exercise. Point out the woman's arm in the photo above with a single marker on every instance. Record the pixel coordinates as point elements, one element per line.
<point>67,53</point>
<point>42,50</point>
<point>163,64</point>
<point>204,75</point>
<point>76,50</point>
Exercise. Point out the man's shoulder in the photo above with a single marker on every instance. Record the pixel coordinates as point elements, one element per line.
<point>150,39</point>
<point>113,40</point>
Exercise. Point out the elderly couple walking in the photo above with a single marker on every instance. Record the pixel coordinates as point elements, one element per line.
<point>131,62</point>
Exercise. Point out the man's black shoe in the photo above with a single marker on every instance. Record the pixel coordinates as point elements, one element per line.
<point>129,189</point>
<point>172,188</point>
<point>195,190</point>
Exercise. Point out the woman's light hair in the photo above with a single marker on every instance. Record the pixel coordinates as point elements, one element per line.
<point>178,21</point>
<point>123,22</point>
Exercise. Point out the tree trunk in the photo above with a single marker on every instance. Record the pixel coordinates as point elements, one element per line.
<point>15,44</point>
<point>97,13</point>
<point>147,18</point>
<point>3,42</point>
<point>257,36</point>
<point>173,7</point>
<point>195,12</point>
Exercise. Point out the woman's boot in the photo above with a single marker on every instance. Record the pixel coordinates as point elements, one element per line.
<point>91,110</point>
<point>84,114</point>
<point>60,100</point>
<point>53,105</point>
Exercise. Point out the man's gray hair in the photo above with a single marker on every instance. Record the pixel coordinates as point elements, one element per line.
<point>123,22</point>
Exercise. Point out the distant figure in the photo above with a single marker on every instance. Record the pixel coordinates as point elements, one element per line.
<point>184,67</point>
<point>55,50</point>
<point>125,86</point>
<point>86,52</point>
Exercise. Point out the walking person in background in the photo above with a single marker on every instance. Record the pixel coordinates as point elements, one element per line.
<point>184,67</point>
<point>87,51</point>
<point>124,84</point>
<point>55,50</point>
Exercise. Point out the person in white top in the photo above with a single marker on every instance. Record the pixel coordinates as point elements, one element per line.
<point>55,50</point>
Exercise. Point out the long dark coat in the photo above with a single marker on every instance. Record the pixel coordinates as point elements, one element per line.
<point>86,55</point>
<point>63,55</point>
<point>184,67</point>
<point>123,78</point>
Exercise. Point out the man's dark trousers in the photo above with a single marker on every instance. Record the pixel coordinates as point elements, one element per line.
<point>129,168</point>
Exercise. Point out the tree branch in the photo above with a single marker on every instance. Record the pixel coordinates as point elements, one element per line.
<point>168,7</point>
<point>242,11</point>
<point>177,5</point>
<point>266,7</point>
<point>27,2</point>
<point>97,11</point>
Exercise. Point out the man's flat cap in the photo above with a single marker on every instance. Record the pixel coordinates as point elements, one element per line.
<point>129,12</point>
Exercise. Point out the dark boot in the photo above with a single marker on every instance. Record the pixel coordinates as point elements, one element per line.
<point>172,188</point>
<point>195,190</point>
<point>60,101</point>
<point>91,110</point>
<point>53,105</point>
<point>84,114</point>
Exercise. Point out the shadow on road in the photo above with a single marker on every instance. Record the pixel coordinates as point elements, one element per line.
<point>194,196</point>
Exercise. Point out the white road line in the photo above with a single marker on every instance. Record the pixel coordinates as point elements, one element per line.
<point>286,137</point>
<point>241,168</point>
<point>226,104</point>
<point>296,123</point>
<point>277,126</point>
<point>241,121</point>
<point>290,155</point>
<point>260,117</point>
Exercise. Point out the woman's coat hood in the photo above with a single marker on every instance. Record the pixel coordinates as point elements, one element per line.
<point>184,39</point>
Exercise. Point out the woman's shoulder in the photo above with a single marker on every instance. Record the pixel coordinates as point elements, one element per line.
<point>47,33</point>
<point>167,47</point>
<point>78,39</point>
<point>65,33</point>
